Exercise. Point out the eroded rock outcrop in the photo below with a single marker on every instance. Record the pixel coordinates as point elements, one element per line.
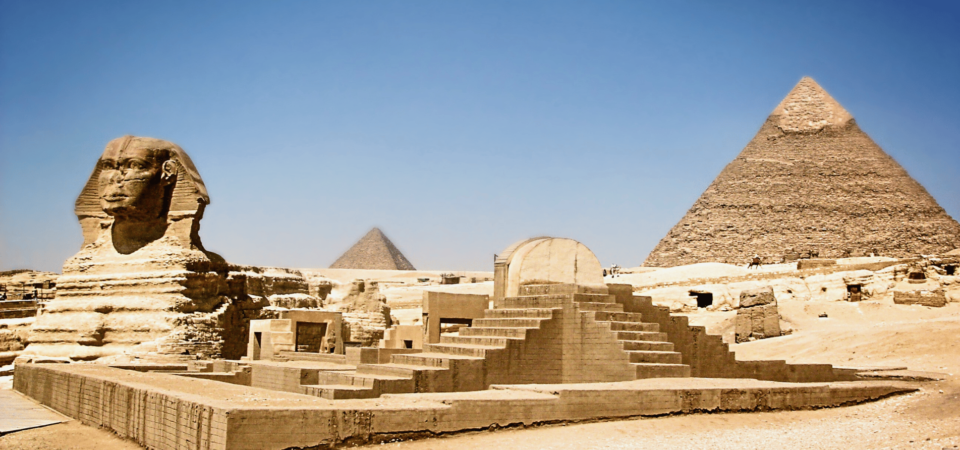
<point>365,313</point>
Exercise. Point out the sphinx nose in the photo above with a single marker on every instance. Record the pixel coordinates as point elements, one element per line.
<point>115,176</point>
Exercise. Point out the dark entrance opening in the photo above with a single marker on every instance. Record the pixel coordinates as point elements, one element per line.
<point>310,336</point>
<point>407,343</point>
<point>704,299</point>
<point>855,291</point>
<point>257,342</point>
<point>951,270</point>
<point>453,325</point>
<point>917,276</point>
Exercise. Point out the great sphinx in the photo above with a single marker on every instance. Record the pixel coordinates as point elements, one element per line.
<point>142,282</point>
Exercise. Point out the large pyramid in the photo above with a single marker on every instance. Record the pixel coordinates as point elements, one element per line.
<point>373,251</point>
<point>809,181</point>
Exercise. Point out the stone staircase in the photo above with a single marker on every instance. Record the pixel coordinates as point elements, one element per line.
<point>16,309</point>
<point>513,344</point>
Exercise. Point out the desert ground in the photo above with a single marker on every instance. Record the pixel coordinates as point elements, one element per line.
<point>853,334</point>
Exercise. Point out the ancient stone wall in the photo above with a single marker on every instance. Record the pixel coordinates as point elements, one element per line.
<point>758,316</point>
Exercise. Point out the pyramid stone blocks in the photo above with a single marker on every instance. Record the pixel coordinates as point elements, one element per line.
<point>373,251</point>
<point>811,181</point>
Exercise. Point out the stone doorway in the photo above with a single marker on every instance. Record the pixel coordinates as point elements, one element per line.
<point>855,292</point>
<point>257,343</point>
<point>310,336</point>
<point>704,299</point>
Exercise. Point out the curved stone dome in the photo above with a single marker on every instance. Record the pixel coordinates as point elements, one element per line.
<point>546,260</point>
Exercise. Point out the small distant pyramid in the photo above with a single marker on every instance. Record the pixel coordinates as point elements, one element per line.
<point>373,251</point>
<point>810,182</point>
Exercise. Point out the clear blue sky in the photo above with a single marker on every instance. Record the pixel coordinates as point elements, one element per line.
<point>457,127</point>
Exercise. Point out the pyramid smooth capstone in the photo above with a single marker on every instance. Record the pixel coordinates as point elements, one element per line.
<point>811,181</point>
<point>374,251</point>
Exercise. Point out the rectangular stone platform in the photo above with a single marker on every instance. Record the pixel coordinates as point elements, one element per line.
<point>164,411</point>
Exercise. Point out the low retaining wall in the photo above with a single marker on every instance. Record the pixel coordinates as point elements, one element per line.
<point>162,411</point>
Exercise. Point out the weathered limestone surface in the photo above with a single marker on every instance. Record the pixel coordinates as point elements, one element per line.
<point>757,317</point>
<point>546,261</point>
<point>166,411</point>
<point>810,181</point>
<point>142,282</point>
<point>365,313</point>
<point>373,251</point>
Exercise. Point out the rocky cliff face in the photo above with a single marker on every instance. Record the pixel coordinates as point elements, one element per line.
<point>811,182</point>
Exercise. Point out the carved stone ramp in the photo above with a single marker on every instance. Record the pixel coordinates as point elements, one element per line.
<point>160,410</point>
<point>548,334</point>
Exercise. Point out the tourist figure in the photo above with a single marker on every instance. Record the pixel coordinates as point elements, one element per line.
<point>614,270</point>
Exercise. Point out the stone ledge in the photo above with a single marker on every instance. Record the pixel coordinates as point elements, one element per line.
<point>225,416</point>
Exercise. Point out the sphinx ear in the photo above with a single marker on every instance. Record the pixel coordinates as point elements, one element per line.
<point>168,172</point>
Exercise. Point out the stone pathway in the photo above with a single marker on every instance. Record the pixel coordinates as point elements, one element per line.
<point>20,413</point>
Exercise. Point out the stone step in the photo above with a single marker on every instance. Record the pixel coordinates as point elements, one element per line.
<point>608,316</point>
<point>633,326</point>
<point>547,289</point>
<point>595,306</point>
<point>357,379</point>
<point>640,336</point>
<point>18,313</point>
<point>322,357</point>
<point>477,340</point>
<point>338,392</point>
<point>508,323</point>
<point>543,301</point>
<point>648,370</point>
<point>479,351</point>
<point>395,370</point>
<point>517,333</point>
<point>594,298</point>
<point>646,356</point>
<point>428,359</point>
<point>655,346</point>
<point>541,289</point>
<point>541,313</point>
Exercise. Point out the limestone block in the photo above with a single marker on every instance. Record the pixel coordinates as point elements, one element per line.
<point>934,298</point>
<point>771,321</point>
<point>815,263</point>
<point>279,325</point>
<point>757,297</point>
<point>757,316</point>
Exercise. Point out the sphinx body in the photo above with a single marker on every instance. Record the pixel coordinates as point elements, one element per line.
<point>142,283</point>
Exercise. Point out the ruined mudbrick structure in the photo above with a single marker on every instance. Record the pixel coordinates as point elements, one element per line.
<point>810,182</point>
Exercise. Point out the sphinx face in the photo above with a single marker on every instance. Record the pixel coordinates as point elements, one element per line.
<point>130,181</point>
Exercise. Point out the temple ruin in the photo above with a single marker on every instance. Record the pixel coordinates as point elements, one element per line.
<point>165,343</point>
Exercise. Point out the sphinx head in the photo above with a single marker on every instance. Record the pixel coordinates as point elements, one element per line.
<point>141,185</point>
<point>135,174</point>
